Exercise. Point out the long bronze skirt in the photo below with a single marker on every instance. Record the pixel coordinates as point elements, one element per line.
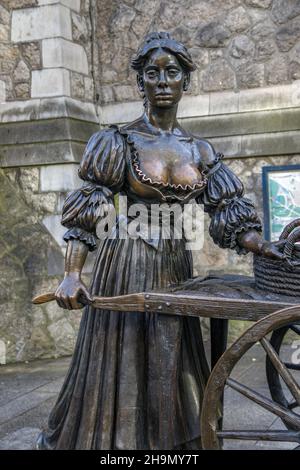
<point>136,380</point>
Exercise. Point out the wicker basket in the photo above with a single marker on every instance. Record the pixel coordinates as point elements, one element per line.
<point>281,277</point>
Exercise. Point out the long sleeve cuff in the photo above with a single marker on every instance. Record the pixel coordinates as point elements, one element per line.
<point>79,234</point>
<point>238,215</point>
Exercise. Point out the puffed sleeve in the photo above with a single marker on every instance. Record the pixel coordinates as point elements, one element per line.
<point>231,213</point>
<point>102,170</point>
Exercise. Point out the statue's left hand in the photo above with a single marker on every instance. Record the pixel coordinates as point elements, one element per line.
<point>273,250</point>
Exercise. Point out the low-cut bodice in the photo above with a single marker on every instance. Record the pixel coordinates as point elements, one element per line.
<point>166,167</point>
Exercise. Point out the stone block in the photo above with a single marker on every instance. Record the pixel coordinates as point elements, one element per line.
<point>9,55</point>
<point>46,130</point>
<point>31,52</point>
<point>120,112</point>
<point>125,93</point>
<point>106,94</point>
<point>193,106</point>
<point>58,52</point>
<point>63,335</point>
<point>56,264</point>
<point>21,72</point>
<point>77,85</point>
<point>218,76</point>
<point>41,154</point>
<point>61,178</point>
<point>54,227</point>
<point>17,4</point>
<point>4,32</point>
<point>4,15</point>
<point>88,88</point>
<point>276,70</point>
<point>42,203</point>
<point>2,91</point>
<point>229,146</point>
<point>265,49</point>
<point>294,67</point>
<point>270,144</point>
<point>283,10</point>
<point>73,4</point>
<point>250,75</point>
<point>48,108</point>
<point>258,3</point>
<point>223,102</point>
<point>242,48</point>
<point>80,28</point>
<point>281,96</point>
<point>237,20</point>
<point>50,82</point>
<point>22,91</point>
<point>48,21</point>
<point>213,34</point>
<point>288,35</point>
<point>259,122</point>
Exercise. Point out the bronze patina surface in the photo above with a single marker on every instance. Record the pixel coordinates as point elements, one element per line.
<point>136,380</point>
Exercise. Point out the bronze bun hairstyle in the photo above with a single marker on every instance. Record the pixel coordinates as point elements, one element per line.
<point>162,40</point>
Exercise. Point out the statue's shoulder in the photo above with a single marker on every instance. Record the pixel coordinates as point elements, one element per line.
<point>206,150</point>
<point>137,125</point>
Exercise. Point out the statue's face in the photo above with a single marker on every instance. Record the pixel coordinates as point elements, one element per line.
<point>163,79</point>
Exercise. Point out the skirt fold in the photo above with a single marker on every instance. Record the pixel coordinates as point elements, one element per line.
<point>136,380</point>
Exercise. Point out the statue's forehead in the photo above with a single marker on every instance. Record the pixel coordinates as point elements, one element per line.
<point>161,57</point>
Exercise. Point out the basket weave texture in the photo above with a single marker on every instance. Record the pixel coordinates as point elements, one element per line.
<point>281,276</point>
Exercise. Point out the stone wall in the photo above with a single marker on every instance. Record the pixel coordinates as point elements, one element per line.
<point>29,331</point>
<point>236,44</point>
<point>46,49</point>
<point>47,114</point>
<point>64,70</point>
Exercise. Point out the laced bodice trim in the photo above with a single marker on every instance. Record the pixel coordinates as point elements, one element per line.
<point>168,190</point>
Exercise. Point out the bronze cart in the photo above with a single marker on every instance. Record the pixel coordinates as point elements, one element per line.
<point>221,299</point>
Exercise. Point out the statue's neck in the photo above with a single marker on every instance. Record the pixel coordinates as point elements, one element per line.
<point>162,118</point>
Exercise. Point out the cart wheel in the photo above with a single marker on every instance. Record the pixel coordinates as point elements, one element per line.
<point>276,387</point>
<point>212,436</point>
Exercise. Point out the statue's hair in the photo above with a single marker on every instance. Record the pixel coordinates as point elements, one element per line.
<point>162,40</point>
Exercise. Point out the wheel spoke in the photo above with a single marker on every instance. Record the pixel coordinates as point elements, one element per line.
<point>293,405</point>
<point>266,403</point>
<point>295,328</point>
<point>281,436</point>
<point>292,366</point>
<point>281,369</point>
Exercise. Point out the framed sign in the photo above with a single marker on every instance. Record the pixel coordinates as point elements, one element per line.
<point>281,198</point>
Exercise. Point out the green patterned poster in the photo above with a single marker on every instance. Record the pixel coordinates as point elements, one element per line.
<point>284,199</point>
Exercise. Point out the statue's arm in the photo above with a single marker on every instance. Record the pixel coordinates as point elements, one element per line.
<point>254,242</point>
<point>72,288</point>
<point>102,170</point>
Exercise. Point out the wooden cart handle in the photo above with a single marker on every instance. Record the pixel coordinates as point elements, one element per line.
<point>124,303</point>
<point>43,298</point>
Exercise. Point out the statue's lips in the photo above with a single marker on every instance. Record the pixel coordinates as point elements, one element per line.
<point>163,95</point>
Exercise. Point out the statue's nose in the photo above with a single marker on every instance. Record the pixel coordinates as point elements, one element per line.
<point>162,79</point>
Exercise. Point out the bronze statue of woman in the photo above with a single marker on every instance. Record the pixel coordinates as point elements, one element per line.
<point>136,381</point>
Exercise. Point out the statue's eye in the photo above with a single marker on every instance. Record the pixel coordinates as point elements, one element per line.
<point>173,72</point>
<point>152,74</point>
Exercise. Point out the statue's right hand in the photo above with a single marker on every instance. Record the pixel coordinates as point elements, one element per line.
<point>70,291</point>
